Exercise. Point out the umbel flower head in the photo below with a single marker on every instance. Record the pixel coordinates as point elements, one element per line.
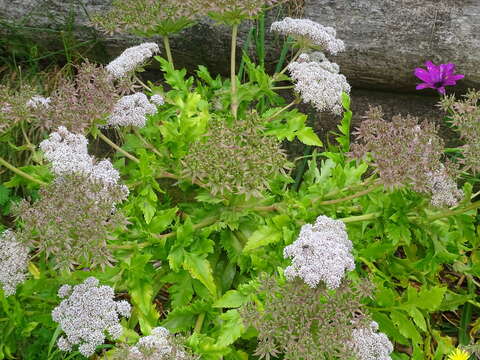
<point>72,220</point>
<point>437,76</point>
<point>319,83</point>
<point>131,59</point>
<point>78,102</point>
<point>132,110</point>
<point>14,106</point>
<point>321,253</point>
<point>464,115</point>
<point>86,314</point>
<point>13,262</point>
<point>369,344</point>
<point>418,155</point>
<point>149,17</point>
<point>236,159</point>
<point>305,323</point>
<point>234,11</point>
<point>310,34</point>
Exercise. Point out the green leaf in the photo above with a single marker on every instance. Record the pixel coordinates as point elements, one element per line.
<point>148,210</point>
<point>406,327</point>
<point>200,269</point>
<point>417,317</point>
<point>231,329</point>
<point>263,236</point>
<point>162,220</point>
<point>4,195</point>
<point>308,137</point>
<point>231,299</point>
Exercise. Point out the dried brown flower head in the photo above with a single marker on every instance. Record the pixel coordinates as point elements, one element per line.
<point>404,151</point>
<point>235,159</point>
<point>465,116</point>
<point>70,222</point>
<point>307,323</point>
<point>234,11</point>
<point>148,17</point>
<point>77,102</point>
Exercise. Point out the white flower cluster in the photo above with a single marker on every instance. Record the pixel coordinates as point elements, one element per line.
<point>37,101</point>
<point>131,58</point>
<point>13,262</point>
<point>68,154</point>
<point>154,347</point>
<point>368,344</point>
<point>86,314</point>
<point>314,33</point>
<point>132,110</point>
<point>444,189</point>
<point>319,83</point>
<point>157,100</point>
<point>322,252</point>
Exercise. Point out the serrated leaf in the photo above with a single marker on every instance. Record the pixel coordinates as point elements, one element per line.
<point>308,137</point>
<point>162,220</point>
<point>231,329</point>
<point>200,269</point>
<point>231,299</point>
<point>261,237</point>
<point>406,327</point>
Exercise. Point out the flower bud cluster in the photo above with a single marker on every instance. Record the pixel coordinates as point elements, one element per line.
<point>368,344</point>
<point>13,106</point>
<point>465,117</point>
<point>227,9</point>
<point>132,110</point>
<point>310,33</point>
<point>235,159</point>
<point>322,252</point>
<point>78,102</point>
<point>319,83</point>
<point>87,312</point>
<point>131,58</point>
<point>13,262</point>
<point>418,155</point>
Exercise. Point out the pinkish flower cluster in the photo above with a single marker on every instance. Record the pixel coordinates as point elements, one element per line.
<point>13,262</point>
<point>133,109</point>
<point>131,58</point>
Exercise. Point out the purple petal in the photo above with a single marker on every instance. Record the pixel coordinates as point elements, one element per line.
<point>423,86</point>
<point>441,90</point>
<point>448,69</point>
<point>422,74</point>
<point>430,66</point>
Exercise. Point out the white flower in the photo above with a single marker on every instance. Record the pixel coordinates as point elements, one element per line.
<point>157,99</point>
<point>37,101</point>
<point>368,344</point>
<point>131,58</point>
<point>444,189</point>
<point>322,252</point>
<point>87,313</point>
<point>314,33</point>
<point>132,110</point>
<point>68,154</point>
<point>319,83</point>
<point>156,346</point>
<point>13,262</point>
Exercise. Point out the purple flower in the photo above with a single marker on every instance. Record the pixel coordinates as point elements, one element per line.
<point>437,76</point>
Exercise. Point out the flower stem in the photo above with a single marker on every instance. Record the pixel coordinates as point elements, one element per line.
<point>146,143</point>
<point>351,197</point>
<point>166,44</point>
<point>282,87</point>
<point>20,172</point>
<point>472,206</point>
<point>282,110</point>
<point>233,75</point>
<point>199,323</point>
<point>358,218</point>
<point>118,148</point>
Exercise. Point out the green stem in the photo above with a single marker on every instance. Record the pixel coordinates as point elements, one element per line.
<point>351,197</point>
<point>118,148</point>
<point>359,218</point>
<point>199,323</point>
<point>166,44</point>
<point>146,143</point>
<point>472,206</point>
<point>282,110</point>
<point>366,182</point>
<point>145,86</point>
<point>233,76</point>
<point>20,172</point>
<point>276,75</point>
<point>282,87</point>
<point>301,169</point>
